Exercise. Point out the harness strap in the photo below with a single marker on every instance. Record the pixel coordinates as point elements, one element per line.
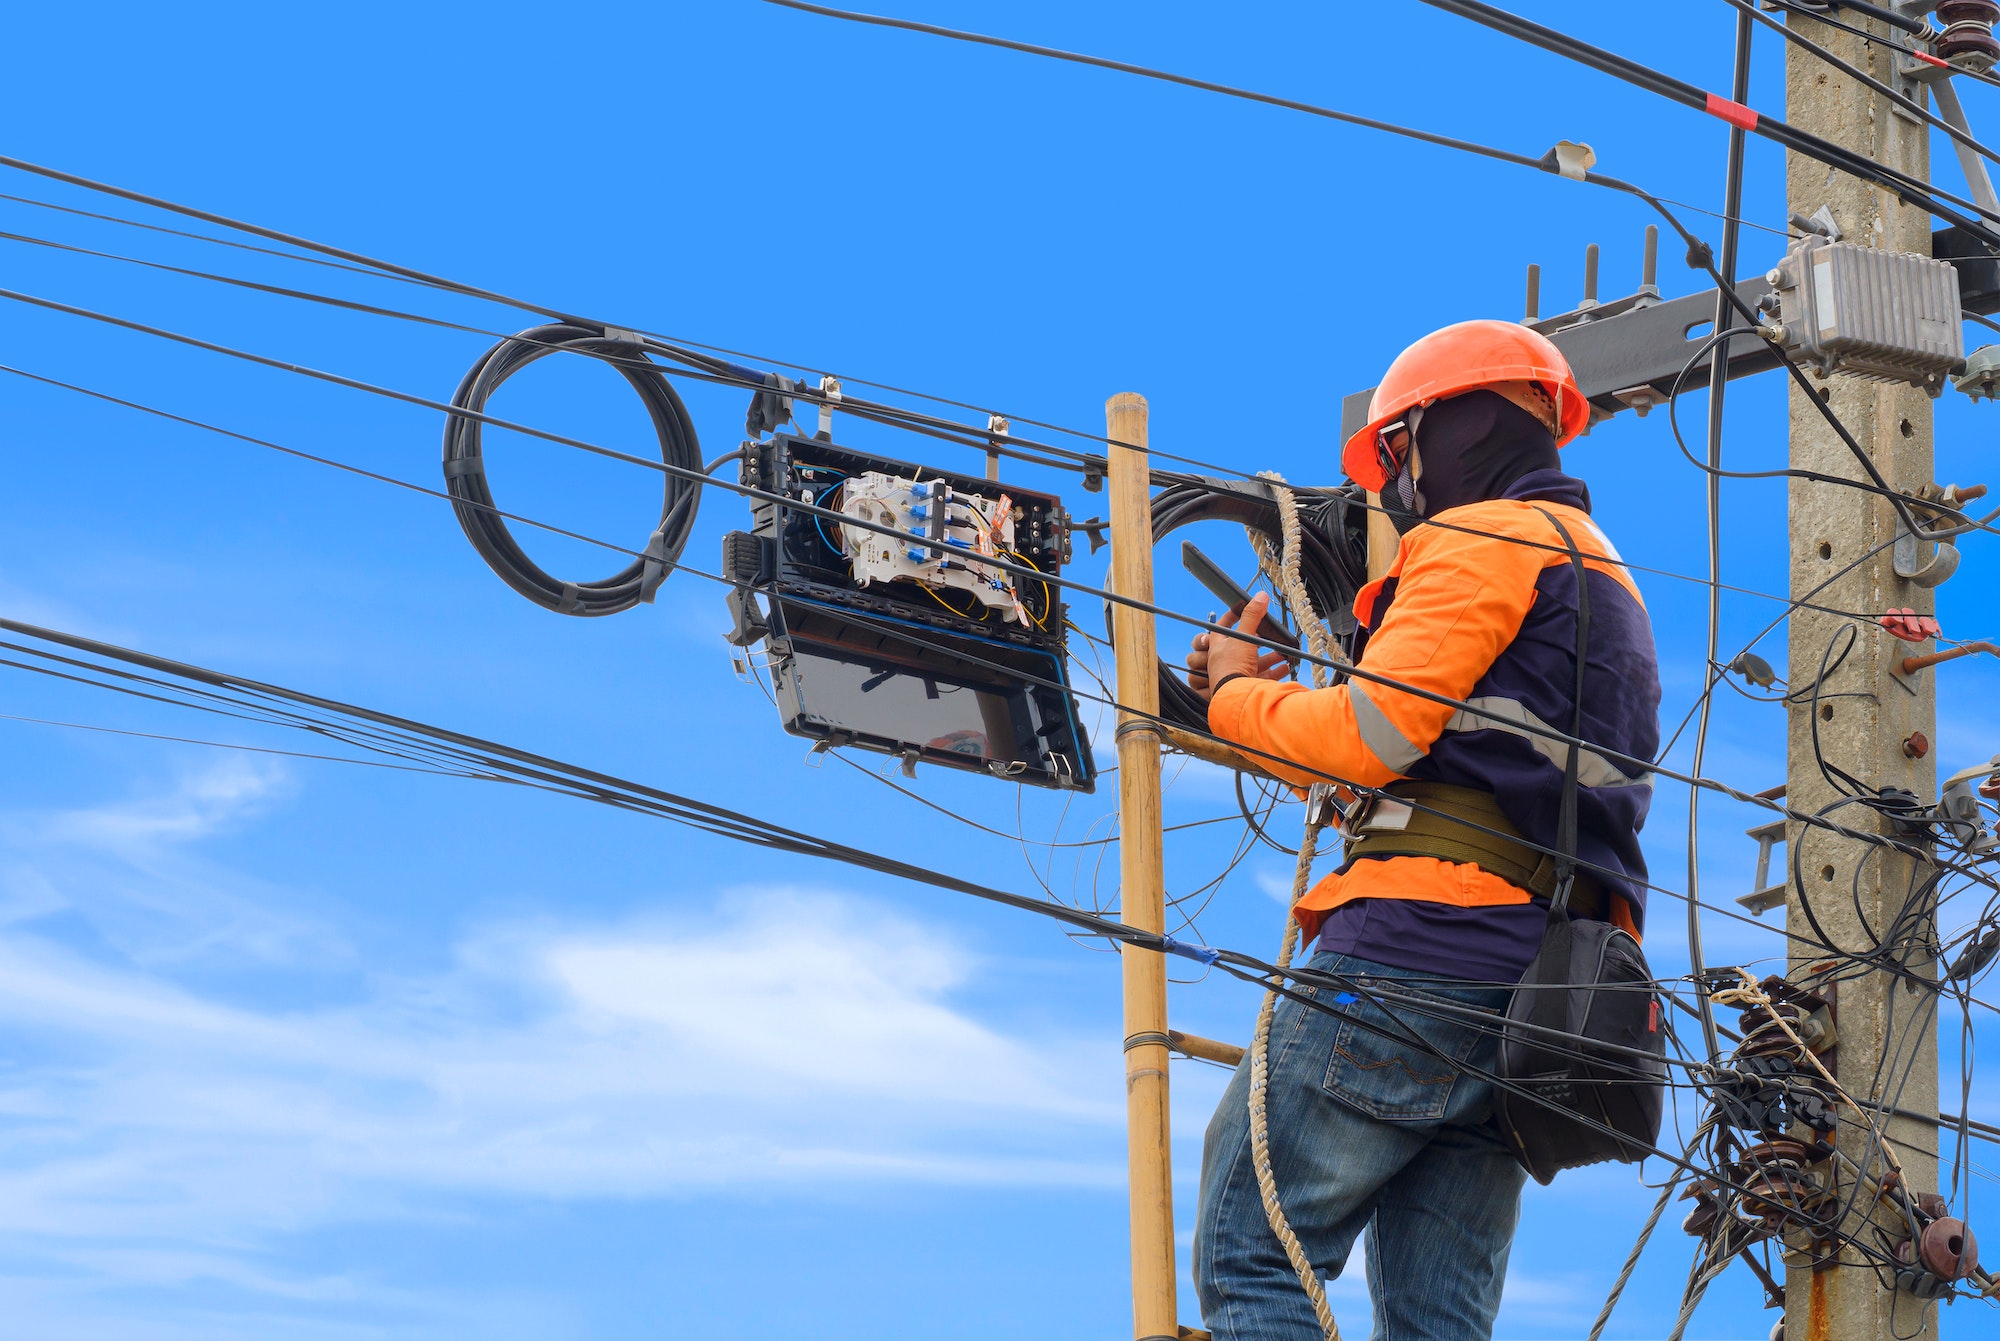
<point>1464,825</point>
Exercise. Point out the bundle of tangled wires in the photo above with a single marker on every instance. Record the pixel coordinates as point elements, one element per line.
<point>1333,554</point>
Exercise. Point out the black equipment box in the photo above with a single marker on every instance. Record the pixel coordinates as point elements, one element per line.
<point>968,669</point>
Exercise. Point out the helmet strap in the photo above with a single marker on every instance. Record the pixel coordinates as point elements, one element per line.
<point>1552,404</point>
<point>1405,499</point>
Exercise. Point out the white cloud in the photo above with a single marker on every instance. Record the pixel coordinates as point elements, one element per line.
<point>153,1131</point>
<point>233,789</point>
<point>802,1039</point>
<point>781,1049</point>
<point>134,869</point>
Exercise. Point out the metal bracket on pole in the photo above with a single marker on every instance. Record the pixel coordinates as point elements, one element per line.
<point>1952,111</point>
<point>1628,359</point>
<point>997,428</point>
<point>1927,563</point>
<point>1763,895</point>
<point>829,396</point>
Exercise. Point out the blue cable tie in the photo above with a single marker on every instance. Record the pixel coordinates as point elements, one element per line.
<point>1345,999</point>
<point>1201,954</point>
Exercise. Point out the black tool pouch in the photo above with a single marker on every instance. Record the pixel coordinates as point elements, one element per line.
<point>1582,1070</point>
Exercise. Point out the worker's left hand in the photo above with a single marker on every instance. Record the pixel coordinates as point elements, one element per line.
<point>1215,656</point>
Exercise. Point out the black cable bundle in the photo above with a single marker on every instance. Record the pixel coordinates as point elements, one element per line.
<point>1333,554</point>
<point>465,472</point>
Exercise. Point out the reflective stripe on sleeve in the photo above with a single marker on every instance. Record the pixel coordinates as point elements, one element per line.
<point>1513,717</point>
<point>1379,734</point>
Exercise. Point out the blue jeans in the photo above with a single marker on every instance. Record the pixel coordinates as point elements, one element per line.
<point>1365,1131</point>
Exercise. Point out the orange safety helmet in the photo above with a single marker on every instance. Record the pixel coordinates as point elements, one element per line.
<point>1460,358</point>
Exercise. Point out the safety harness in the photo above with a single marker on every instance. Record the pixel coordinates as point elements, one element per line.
<point>1582,1058</point>
<point>1418,818</point>
<point>1561,1103</point>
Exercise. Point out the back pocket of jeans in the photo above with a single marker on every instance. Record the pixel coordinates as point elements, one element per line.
<point>1379,1069</point>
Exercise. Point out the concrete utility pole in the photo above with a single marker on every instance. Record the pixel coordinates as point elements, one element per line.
<point>1867,710</point>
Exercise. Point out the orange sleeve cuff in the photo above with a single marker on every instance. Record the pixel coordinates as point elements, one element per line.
<point>1292,732</point>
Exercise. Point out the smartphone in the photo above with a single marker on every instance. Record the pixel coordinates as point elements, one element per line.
<point>1209,573</point>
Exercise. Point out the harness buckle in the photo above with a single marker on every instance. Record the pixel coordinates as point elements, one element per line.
<point>1375,812</point>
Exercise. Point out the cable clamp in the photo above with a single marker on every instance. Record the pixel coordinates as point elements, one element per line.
<point>1569,159</point>
<point>656,563</point>
<point>1139,726</point>
<point>829,396</point>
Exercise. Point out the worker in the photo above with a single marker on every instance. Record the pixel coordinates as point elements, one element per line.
<point>1446,897</point>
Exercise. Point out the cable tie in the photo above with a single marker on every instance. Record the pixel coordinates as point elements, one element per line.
<point>657,566</point>
<point>464,465</point>
<point>571,600</point>
<point>1201,954</point>
<point>1735,113</point>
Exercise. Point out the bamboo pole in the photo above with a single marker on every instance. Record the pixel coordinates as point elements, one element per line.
<point>1208,1049</point>
<point>1382,538</point>
<point>1210,751</point>
<point>1141,883</point>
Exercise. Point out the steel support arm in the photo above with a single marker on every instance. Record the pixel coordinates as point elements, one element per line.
<point>1629,360</point>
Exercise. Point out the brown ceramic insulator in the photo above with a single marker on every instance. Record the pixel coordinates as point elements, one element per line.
<point>1702,1218</point>
<point>1777,1193</point>
<point>1707,1210</point>
<point>1762,1036</point>
<point>1786,1149</point>
<point>1969,46</point>
<point>1947,1248</point>
<point>1951,12</point>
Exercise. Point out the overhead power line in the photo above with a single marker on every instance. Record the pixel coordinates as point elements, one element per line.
<point>1748,8</point>
<point>1912,191</point>
<point>1628,764</point>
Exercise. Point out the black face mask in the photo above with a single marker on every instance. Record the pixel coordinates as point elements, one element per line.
<point>1471,447</point>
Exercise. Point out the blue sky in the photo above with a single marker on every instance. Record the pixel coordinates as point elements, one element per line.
<point>300,1050</point>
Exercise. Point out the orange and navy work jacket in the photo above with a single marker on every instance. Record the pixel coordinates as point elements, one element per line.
<point>1472,615</point>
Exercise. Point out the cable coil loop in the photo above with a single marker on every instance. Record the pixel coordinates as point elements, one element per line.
<point>472,499</point>
<point>1331,545</point>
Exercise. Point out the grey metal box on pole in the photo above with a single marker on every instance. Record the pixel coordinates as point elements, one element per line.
<point>1867,312</point>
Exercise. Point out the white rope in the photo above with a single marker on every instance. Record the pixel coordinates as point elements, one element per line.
<point>1283,570</point>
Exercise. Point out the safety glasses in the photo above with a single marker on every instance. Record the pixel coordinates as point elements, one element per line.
<point>1388,457</point>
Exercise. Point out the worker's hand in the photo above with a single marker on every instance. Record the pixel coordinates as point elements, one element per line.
<point>1214,656</point>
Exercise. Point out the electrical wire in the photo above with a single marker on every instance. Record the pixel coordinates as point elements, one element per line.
<point>1718,385</point>
<point>1906,188</point>
<point>637,362</point>
<point>472,497</point>
<point>1747,12</point>
<point>1890,934</point>
<point>1722,788</point>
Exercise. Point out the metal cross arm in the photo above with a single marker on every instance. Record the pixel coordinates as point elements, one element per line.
<point>1629,359</point>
